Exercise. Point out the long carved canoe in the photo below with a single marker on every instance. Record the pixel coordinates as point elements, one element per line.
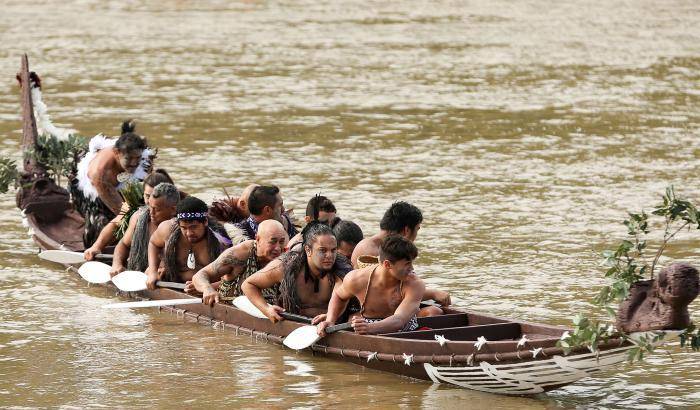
<point>462,348</point>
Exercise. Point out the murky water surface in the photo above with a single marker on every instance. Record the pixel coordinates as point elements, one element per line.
<point>524,131</point>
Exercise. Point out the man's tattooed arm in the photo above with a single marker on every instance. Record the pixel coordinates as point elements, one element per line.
<point>227,264</point>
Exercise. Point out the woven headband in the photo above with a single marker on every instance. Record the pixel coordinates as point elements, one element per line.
<point>188,216</point>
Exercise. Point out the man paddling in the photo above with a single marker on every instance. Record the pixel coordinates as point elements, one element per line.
<point>389,292</point>
<point>265,202</point>
<point>132,250</point>
<point>405,220</point>
<point>305,276</point>
<point>236,264</point>
<point>186,243</point>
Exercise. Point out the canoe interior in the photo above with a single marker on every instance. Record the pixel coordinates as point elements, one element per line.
<point>65,233</point>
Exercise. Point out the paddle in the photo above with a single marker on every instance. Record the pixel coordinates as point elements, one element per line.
<point>152,303</point>
<point>68,257</point>
<point>244,304</point>
<point>127,281</point>
<point>134,281</point>
<point>95,272</point>
<point>305,336</point>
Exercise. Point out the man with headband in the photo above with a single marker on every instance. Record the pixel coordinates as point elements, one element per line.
<point>182,246</point>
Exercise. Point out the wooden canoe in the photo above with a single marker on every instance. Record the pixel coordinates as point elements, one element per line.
<point>517,358</point>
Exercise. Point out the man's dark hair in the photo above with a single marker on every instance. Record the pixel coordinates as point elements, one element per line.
<point>130,142</point>
<point>157,177</point>
<point>321,203</point>
<point>261,197</point>
<point>400,215</point>
<point>348,231</point>
<point>191,204</point>
<point>396,248</point>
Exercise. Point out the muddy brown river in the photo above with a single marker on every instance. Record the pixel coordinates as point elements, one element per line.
<point>524,131</point>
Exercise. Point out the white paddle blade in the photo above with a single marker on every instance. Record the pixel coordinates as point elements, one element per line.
<point>301,338</point>
<point>95,272</point>
<point>244,304</point>
<point>57,256</point>
<point>152,303</point>
<point>130,281</point>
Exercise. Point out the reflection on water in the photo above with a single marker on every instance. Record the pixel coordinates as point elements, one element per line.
<point>523,136</point>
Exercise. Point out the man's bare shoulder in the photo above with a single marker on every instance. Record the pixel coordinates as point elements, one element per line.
<point>367,246</point>
<point>102,166</point>
<point>414,281</point>
<point>356,280</point>
<point>242,250</point>
<point>163,230</point>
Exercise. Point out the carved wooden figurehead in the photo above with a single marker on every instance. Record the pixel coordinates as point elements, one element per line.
<point>661,303</point>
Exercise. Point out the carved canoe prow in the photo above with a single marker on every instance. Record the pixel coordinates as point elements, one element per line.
<point>661,303</point>
<point>29,129</point>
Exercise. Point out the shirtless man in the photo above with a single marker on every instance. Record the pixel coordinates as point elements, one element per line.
<point>389,293</point>
<point>106,237</point>
<point>402,219</point>
<point>186,243</point>
<point>101,173</point>
<point>132,249</point>
<point>306,276</point>
<point>236,264</point>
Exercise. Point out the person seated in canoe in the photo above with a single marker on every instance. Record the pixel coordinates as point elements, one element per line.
<point>231,209</point>
<point>389,292</point>
<point>402,219</point>
<point>326,214</point>
<point>132,250</point>
<point>265,202</point>
<point>304,277</point>
<point>348,234</point>
<point>106,236</point>
<point>106,168</point>
<point>187,243</point>
<point>236,264</point>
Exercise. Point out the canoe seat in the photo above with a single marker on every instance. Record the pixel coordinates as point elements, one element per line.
<point>498,331</point>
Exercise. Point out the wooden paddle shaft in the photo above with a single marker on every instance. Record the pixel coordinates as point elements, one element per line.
<point>171,285</point>
<point>335,328</point>
<point>295,318</point>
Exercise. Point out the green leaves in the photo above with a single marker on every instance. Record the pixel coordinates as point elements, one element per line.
<point>691,337</point>
<point>59,157</point>
<point>586,333</point>
<point>675,209</point>
<point>133,196</point>
<point>8,174</point>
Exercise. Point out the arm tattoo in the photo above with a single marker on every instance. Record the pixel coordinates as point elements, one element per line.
<point>227,262</point>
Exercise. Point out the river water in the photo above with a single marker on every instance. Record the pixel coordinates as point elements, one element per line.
<point>524,131</point>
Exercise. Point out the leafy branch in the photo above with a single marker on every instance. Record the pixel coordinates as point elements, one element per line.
<point>626,266</point>
<point>133,196</point>
<point>59,157</point>
<point>8,174</point>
